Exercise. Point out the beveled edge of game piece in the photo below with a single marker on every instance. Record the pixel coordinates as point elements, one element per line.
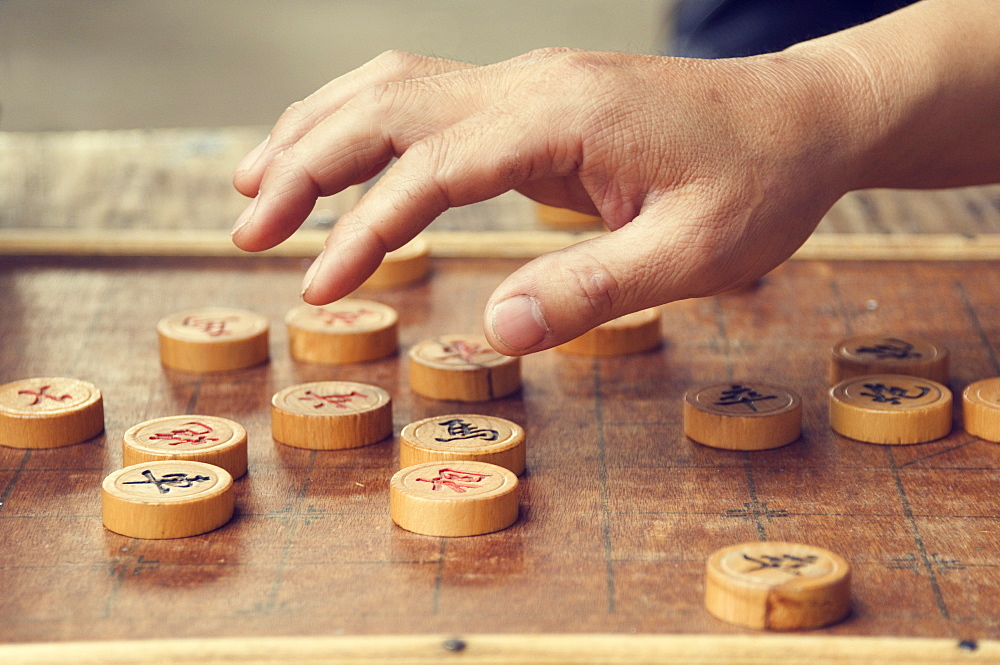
<point>508,452</point>
<point>230,454</point>
<point>782,600</point>
<point>47,428</point>
<point>981,415</point>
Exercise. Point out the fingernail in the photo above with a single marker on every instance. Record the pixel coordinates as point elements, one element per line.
<point>245,217</point>
<point>519,323</point>
<point>311,273</point>
<point>247,162</point>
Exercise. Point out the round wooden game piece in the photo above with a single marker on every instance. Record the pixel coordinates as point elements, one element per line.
<point>206,439</point>
<point>888,354</point>
<point>346,331</point>
<point>743,416</point>
<point>408,264</point>
<point>463,368</point>
<point>778,586</point>
<point>632,333</point>
<point>454,498</point>
<point>890,409</point>
<point>463,437</point>
<point>981,409</point>
<point>49,412</point>
<point>167,499</point>
<point>566,218</point>
<point>331,415</point>
<point>214,339</point>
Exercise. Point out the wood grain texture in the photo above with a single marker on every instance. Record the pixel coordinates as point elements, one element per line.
<point>619,509</point>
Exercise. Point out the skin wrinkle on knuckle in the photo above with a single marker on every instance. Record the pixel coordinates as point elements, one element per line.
<point>594,284</point>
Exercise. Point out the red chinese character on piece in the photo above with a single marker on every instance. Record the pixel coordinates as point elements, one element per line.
<point>213,327</point>
<point>192,432</point>
<point>339,401</point>
<point>346,318</point>
<point>459,481</point>
<point>464,350</point>
<point>42,394</point>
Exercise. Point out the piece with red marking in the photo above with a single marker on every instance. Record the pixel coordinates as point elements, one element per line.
<point>346,331</point>
<point>208,439</point>
<point>49,412</point>
<point>463,368</point>
<point>463,437</point>
<point>632,333</point>
<point>215,339</point>
<point>331,415</point>
<point>454,498</point>
<point>778,586</point>
<point>167,499</point>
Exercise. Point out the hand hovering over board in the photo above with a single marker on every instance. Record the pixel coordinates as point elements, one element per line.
<point>708,172</point>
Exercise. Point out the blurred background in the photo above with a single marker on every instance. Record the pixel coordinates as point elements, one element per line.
<point>122,64</point>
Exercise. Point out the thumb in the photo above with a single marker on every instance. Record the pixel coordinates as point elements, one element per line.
<point>563,294</point>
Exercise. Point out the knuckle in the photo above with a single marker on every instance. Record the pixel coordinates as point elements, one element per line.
<point>596,287</point>
<point>396,62</point>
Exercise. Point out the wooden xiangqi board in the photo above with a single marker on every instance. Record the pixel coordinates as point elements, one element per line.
<point>619,511</point>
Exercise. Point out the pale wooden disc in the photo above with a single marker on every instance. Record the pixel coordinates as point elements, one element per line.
<point>49,412</point>
<point>463,368</point>
<point>214,339</point>
<point>633,333</point>
<point>406,265</point>
<point>331,415</point>
<point>346,331</point>
<point>208,439</point>
<point>890,409</point>
<point>743,415</point>
<point>463,437</point>
<point>778,586</point>
<point>454,498</point>
<point>888,354</point>
<point>167,499</point>
<point>565,218</point>
<point>981,409</point>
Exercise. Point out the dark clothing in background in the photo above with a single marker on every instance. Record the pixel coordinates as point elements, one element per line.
<point>733,28</point>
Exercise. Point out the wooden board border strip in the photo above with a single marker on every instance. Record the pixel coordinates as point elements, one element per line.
<point>511,650</point>
<point>472,244</point>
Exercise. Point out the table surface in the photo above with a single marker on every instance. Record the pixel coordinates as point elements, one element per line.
<point>619,510</point>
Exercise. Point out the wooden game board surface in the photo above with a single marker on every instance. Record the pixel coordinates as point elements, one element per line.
<point>619,513</point>
<point>168,179</point>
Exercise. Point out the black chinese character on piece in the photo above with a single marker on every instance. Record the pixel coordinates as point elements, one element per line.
<point>883,394</point>
<point>785,562</point>
<point>890,349</point>
<point>168,481</point>
<point>461,430</point>
<point>742,395</point>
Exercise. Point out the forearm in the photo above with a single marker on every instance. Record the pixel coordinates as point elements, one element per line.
<point>923,102</point>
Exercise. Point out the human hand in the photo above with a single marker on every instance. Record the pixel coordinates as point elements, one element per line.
<point>708,173</point>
